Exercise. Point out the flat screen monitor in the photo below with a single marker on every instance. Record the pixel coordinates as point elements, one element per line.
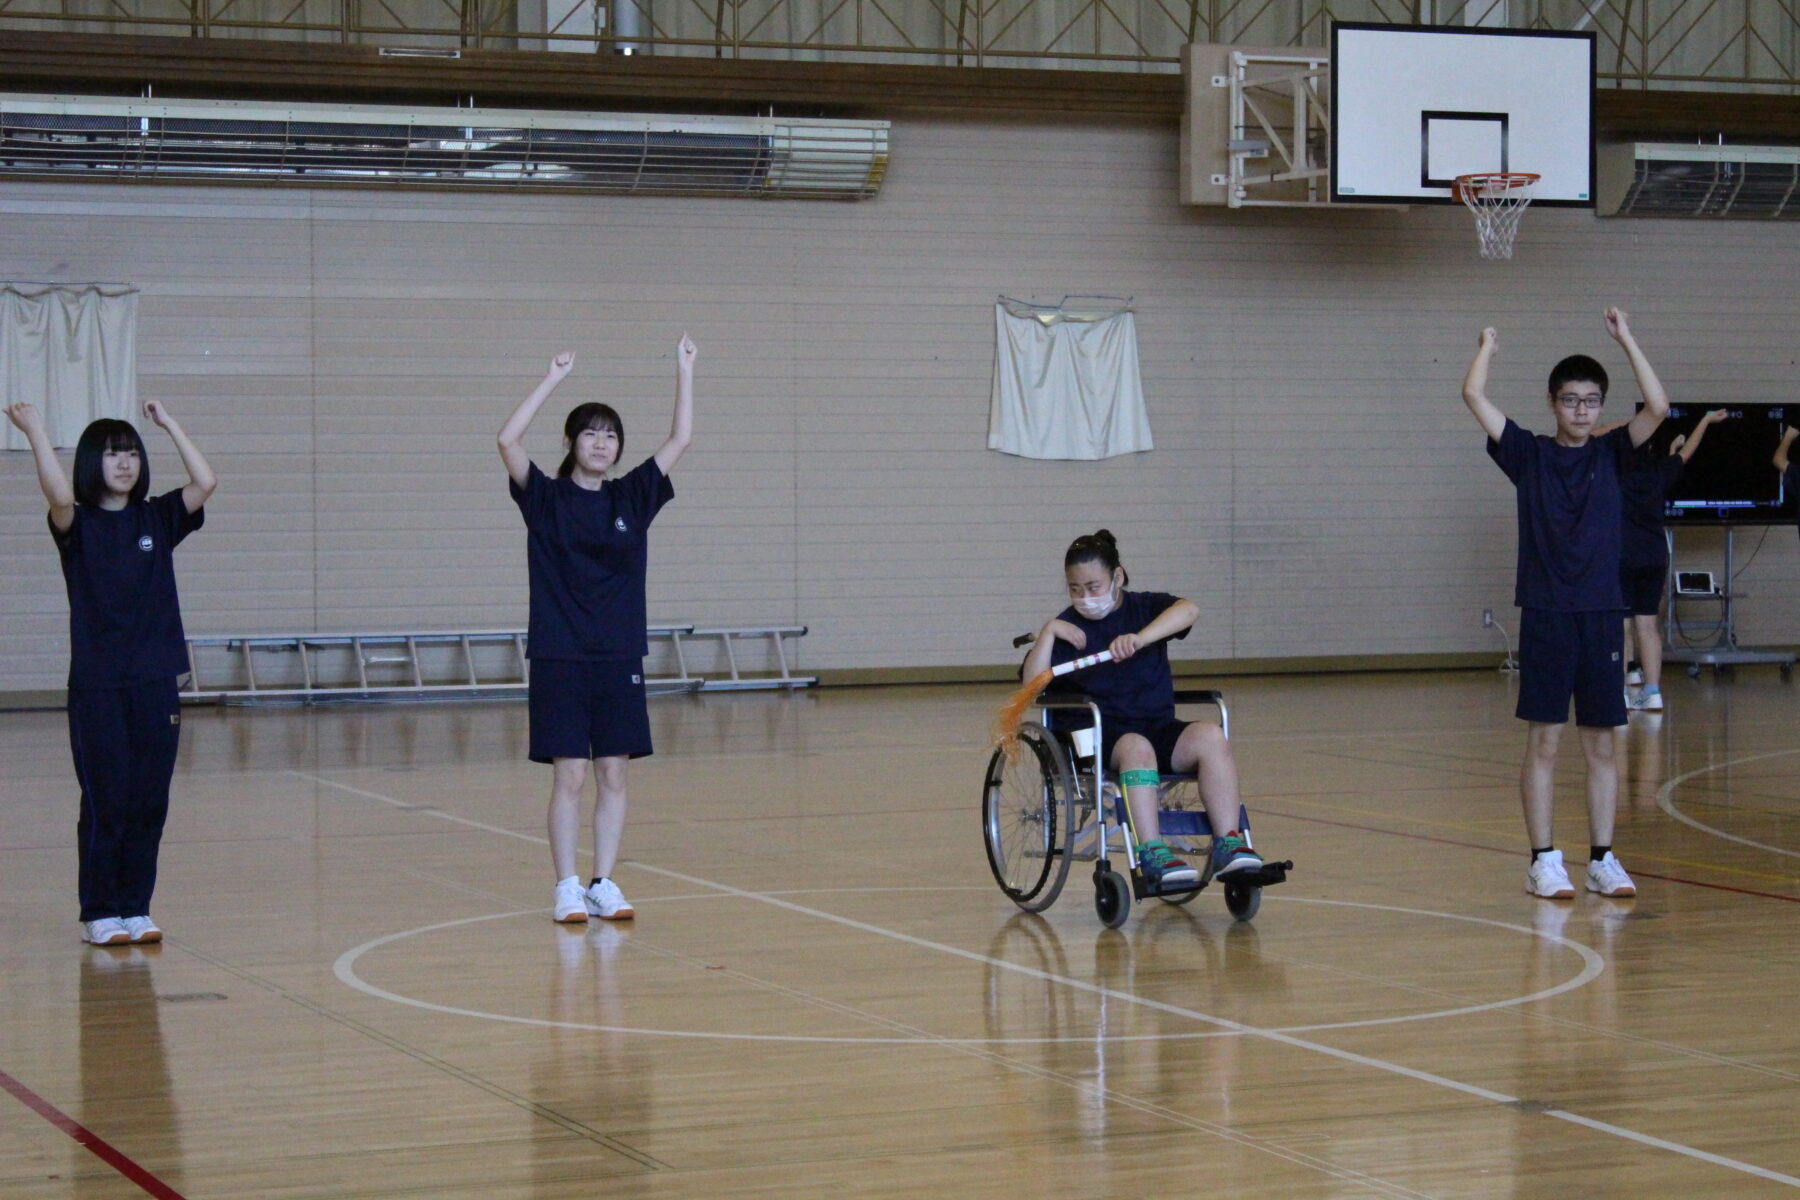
<point>1730,480</point>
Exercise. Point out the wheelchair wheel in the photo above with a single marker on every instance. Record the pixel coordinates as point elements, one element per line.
<point>1242,899</point>
<point>1112,897</point>
<point>1027,818</point>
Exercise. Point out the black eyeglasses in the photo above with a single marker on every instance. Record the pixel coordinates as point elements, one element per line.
<point>1577,403</point>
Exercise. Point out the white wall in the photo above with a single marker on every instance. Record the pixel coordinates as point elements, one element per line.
<point>346,357</point>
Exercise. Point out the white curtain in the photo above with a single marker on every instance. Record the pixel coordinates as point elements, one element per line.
<point>72,351</point>
<point>1066,382</point>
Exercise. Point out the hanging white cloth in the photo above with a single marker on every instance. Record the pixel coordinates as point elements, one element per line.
<point>71,350</point>
<point>1066,382</point>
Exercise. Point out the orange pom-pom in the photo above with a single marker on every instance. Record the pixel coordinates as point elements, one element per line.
<point>1012,714</point>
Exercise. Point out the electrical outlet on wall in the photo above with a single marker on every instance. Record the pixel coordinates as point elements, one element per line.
<point>1487,618</point>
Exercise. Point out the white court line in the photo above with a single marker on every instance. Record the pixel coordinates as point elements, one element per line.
<point>1271,1035</point>
<point>1665,800</point>
<point>345,970</point>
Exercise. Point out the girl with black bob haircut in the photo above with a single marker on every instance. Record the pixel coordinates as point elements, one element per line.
<point>127,651</point>
<point>1142,736</point>
<point>587,552</point>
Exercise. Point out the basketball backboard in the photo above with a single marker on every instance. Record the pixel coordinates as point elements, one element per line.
<point>1414,106</point>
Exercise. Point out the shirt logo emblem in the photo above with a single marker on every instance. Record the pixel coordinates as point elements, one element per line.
<point>619,524</point>
<point>144,543</point>
<point>637,679</point>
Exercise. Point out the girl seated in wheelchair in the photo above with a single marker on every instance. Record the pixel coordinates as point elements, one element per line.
<point>1142,736</point>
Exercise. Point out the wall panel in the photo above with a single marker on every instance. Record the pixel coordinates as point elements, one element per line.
<point>345,358</point>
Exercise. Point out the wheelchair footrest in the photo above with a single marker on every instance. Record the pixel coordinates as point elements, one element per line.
<point>1267,875</point>
<point>1142,889</point>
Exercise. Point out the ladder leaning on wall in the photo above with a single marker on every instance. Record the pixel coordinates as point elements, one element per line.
<point>234,668</point>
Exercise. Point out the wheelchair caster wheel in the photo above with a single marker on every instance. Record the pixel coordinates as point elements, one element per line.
<point>1112,898</point>
<point>1242,900</point>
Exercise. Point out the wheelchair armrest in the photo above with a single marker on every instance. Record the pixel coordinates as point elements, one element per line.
<point>1199,696</point>
<point>1068,700</point>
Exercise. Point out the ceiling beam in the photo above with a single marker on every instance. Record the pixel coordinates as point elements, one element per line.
<point>275,70</point>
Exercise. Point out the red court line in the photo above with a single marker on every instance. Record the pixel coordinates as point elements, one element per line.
<point>1425,837</point>
<point>99,1146</point>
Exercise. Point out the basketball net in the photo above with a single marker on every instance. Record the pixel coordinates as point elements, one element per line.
<point>1498,201</point>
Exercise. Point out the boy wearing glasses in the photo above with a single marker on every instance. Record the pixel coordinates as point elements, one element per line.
<point>1570,633</point>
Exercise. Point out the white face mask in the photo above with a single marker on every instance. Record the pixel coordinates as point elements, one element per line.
<point>1095,607</point>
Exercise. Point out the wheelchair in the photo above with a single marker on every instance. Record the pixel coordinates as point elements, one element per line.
<point>1051,804</point>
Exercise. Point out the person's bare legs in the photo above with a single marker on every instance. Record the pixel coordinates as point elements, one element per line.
<point>568,781</point>
<point>1204,750</point>
<point>1537,780</point>
<point>1597,745</point>
<point>1649,649</point>
<point>1133,752</point>
<point>609,813</point>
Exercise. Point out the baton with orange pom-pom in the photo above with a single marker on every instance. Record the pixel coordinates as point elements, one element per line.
<point>1012,714</point>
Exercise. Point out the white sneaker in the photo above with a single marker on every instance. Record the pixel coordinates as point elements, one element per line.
<point>1649,702</point>
<point>107,931</point>
<point>142,929</point>
<point>571,903</point>
<point>606,901</point>
<point>1635,678</point>
<point>1548,879</point>
<point>1609,878</point>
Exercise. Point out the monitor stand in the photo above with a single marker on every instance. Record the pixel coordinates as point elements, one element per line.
<point>1723,649</point>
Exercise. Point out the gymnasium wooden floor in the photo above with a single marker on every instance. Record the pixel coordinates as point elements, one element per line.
<point>824,994</point>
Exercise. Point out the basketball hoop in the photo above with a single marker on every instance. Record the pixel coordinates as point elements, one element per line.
<point>1498,200</point>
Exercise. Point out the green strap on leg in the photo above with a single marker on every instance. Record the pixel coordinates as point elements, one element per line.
<point>1131,779</point>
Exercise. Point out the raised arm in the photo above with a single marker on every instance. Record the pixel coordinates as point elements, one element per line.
<point>1491,419</point>
<point>1039,658</point>
<point>681,428</point>
<point>1170,621</point>
<point>1656,401</point>
<point>51,477</point>
<point>1686,446</point>
<point>512,434</point>
<point>1787,444</point>
<point>201,480</point>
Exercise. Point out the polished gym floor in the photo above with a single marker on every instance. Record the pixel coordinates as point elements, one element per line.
<point>824,993</point>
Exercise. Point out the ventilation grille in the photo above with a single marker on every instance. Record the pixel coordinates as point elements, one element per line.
<point>223,141</point>
<point>1713,181</point>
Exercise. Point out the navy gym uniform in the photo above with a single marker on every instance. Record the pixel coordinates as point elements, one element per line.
<point>1643,550</point>
<point>588,556</point>
<point>1571,635</point>
<point>126,651</point>
<point>1135,696</point>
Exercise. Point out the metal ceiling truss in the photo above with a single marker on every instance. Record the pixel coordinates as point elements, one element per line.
<point>1709,44</point>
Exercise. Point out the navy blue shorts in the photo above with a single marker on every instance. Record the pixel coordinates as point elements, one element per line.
<point>588,710</point>
<point>1162,736</point>
<point>1566,655</point>
<point>1643,587</point>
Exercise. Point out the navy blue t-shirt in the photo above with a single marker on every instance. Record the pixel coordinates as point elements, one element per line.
<point>1645,488</point>
<point>1569,518</point>
<point>588,555</point>
<point>124,614</point>
<point>1139,689</point>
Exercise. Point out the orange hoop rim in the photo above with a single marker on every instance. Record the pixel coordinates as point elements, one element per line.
<point>1491,184</point>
